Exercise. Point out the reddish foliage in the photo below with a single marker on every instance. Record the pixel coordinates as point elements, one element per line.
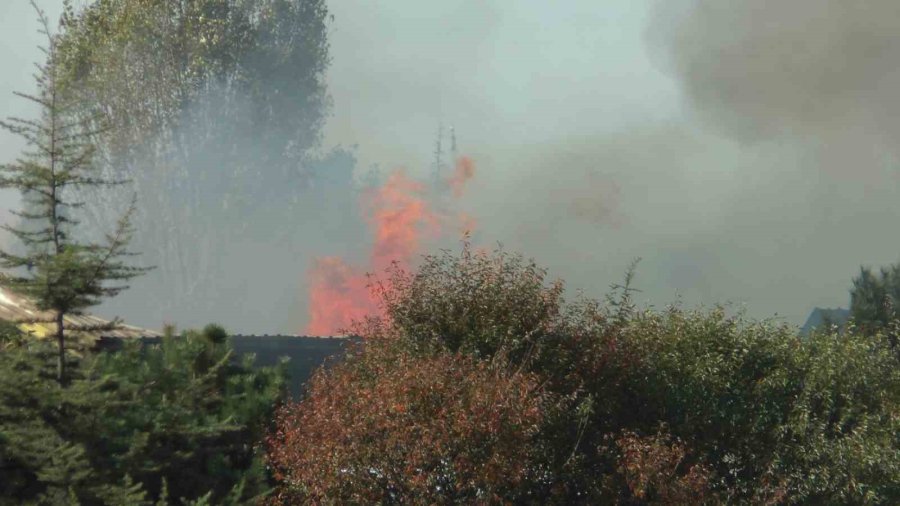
<point>656,471</point>
<point>387,425</point>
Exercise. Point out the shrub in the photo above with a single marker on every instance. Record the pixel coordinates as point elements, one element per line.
<point>767,411</point>
<point>473,303</point>
<point>387,425</point>
<point>657,470</point>
<point>752,413</point>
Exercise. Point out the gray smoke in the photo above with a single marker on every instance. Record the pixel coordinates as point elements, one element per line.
<point>743,149</point>
<point>232,202</point>
<point>824,73</point>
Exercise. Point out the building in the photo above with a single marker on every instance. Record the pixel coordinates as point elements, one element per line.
<point>305,354</point>
<point>15,308</point>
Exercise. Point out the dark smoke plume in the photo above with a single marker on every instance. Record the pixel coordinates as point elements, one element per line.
<point>824,73</point>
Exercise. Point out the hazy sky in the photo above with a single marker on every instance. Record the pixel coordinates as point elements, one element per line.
<point>745,149</point>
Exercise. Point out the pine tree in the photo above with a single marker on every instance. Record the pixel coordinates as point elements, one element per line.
<point>874,299</point>
<point>60,273</point>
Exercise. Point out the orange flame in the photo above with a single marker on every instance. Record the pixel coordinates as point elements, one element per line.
<point>338,295</point>
<point>398,212</point>
<point>400,216</point>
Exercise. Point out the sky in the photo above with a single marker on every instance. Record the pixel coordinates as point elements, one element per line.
<point>745,150</point>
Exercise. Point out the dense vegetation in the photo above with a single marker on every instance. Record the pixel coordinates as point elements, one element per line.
<point>482,384</point>
<point>874,302</point>
<point>177,423</point>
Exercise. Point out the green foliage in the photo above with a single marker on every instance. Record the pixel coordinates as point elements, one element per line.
<point>65,274</point>
<point>874,301</point>
<point>847,412</point>
<point>473,303</point>
<point>43,457</point>
<point>214,333</point>
<point>10,335</point>
<point>168,424</point>
<point>649,407</point>
<point>273,51</point>
<point>758,403</point>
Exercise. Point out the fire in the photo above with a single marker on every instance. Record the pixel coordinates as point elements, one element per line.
<point>399,214</point>
<point>402,220</point>
<point>338,295</point>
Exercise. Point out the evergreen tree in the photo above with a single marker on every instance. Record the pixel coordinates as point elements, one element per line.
<point>62,274</point>
<point>176,423</point>
<point>874,300</point>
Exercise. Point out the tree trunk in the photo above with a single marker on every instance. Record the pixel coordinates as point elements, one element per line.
<point>61,350</point>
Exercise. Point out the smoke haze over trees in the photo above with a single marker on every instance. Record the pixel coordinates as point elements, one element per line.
<point>215,108</point>
<point>478,379</point>
<point>600,133</point>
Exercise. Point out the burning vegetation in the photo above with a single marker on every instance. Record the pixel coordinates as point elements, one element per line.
<point>404,219</point>
<point>475,379</point>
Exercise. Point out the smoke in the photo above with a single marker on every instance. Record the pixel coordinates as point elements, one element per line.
<point>744,149</point>
<point>465,169</point>
<point>235,256</point>
<point>234,185</point>
<point>821,74</point>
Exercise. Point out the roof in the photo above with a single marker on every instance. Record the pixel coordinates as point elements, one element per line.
<point>819,315</point>
<point>16,308</point>
<point>306,353</point>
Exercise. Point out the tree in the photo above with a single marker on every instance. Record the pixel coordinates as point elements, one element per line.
<point>217,105</point>
<point>191,419</point>
<point>63,274</point>
<point>180,420</point>
<point>42,458</point>
<point>874,300</point>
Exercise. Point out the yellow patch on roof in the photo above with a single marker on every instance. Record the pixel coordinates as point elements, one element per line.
<point>18,309</point>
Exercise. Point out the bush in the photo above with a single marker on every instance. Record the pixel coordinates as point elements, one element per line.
<point>475,303</point>
<point>388,426</point>
<point>750,413</point>
<point>655,469</point>
<point>769,413</point>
